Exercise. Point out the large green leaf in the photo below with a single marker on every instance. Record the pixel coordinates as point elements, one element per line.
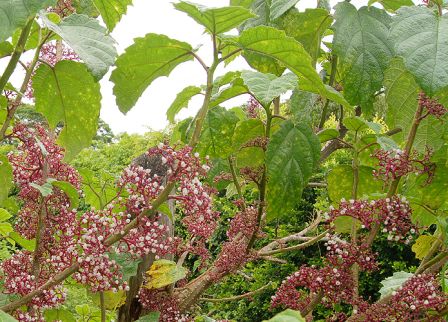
<point>181,101</point>
<point>15,13</point>
<point>266,87</point>
<point>89,40</point>
<point>215,20</point>
<point>246,131</point>
<point>5,177</point>
<point>393,5</point>
<point>279,7</point>
<point>5,317</point>
<point>25,243</point>
<point>216,136</point>
<point>420,37</point>
<point>292,154</point>
<point>68,93</point>
<point>235,88</point>
<point>262,10</point>
<point>305,107</point>
<point>4,215</point>
<point>340,182</point>
<point>147,59</point>
<point>393,282</point>
<point>112,11</point>
<point>6,49</point>
<point>402,100</point>
<point>307,27</point>
<point>362,45</point>
<point>273,43</point>
<point>287,316</point>
<point>59,315</point>
<point>426,198</point>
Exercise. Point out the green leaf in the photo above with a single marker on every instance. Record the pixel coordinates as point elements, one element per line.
<point>402,100</point>
<point>327,135</point>
<point>246,131</point>
<point>266,87</point>
<point>364,50</point>
<point>25,243</point>
<point>151,317</point>
<point>393,282</point>
<point>6,49</point>
<point>305,107</point>
<point>215,20</point>
<point>273,43</point>
<point>392,5</point>
<point>5,229</point>
<point>112,11</point>
<point>147,59</point>
<point>5,317</point>
<point>426,198</point>
<point>279,7</point>
<point>422,245</point>
<point>235,88</point>
<point>261,9</point>
<point>292,154</point>
<point>419,35</point>
<point>69,190</point>
<point>4,215</point>
<point>112,300</point>
<point>164,272</point>
<point>181,101</point>
<point>45,190</point>
<point>340,182</point>
<point>216,136</point>
<point>287,316</point>
<point>89,40</point>
<point>59,315</point>
<point>6,177</point>
<point>15,13</point>
<point>128,264</point>
<point>343,224</point>
<point>307,27</point>
<point>357,123</point>
<point>68,93</point>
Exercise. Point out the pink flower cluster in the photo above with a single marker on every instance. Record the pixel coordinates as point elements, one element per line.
<point>234,253</point>
<point>253,108</point>
<point>431,105</point>
<point>393,213</point>
<point>19,280</point>
<point>160,301</point>
<point>335,285</point>
<point>411,302</point>
<point>394,164</point>
<point>343,254</point>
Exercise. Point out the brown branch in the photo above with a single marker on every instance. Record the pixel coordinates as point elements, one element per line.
<point>294,237</point>
<point>296,247</point>
<point>237,297</point>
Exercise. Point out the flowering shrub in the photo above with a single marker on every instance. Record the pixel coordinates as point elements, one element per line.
<point>155,238</point>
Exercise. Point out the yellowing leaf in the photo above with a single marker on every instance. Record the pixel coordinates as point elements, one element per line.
<point>423,245</point>
<point>164,272</point>
<point>112,300</point>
